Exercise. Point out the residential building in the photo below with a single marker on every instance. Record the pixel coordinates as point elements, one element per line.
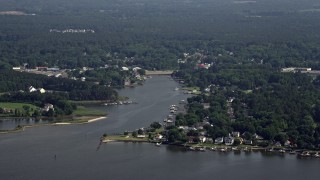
<point>218,140</point>
<point>228,140</point>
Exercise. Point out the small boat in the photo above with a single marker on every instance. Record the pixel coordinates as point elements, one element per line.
<point>176,89</point>
<point>317,155</point>
<point>270,150</point>
<point>213,149</point>
<point>169,121</point>
<point>304,154</point>
<point>292,152</point>
<point>158,143</point>
<point>282,151</point>
<point>223,150</point>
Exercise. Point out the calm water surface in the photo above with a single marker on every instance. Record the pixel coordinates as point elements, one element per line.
<point>31,154</point>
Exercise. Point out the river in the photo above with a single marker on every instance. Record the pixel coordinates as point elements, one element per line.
<point>73,152</point>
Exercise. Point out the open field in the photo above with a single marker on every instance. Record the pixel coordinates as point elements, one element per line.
<point>16,105</point>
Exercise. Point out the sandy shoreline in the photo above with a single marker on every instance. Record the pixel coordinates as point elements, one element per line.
<point>96,119</point>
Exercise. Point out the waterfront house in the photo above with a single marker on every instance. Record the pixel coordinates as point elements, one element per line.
<point>256,136</point>
<point>209,140</point>
<point>287,143</point>
<point>235,134</point>
<point>218,140</point>
<point>41,90</point>
<point>277,144</point>
<point>32,89</point>
<point>202,139</point>
<point>158,137</point>
<point>228,140</point>
<point>47,107</point>
<point>247,142</point>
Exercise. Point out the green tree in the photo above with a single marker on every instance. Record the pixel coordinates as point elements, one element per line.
<point>155,125</point>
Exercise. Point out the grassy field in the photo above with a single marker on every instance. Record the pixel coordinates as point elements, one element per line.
<point>191,88</point>
<point>125,138</point>
<point>122,98</point>
<point>83,111</point>
<point>16,105</point>
<point>88,102</point>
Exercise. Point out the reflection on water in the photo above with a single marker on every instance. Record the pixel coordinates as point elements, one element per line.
<point>12,123</point>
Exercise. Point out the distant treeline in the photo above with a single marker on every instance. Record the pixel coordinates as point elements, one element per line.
<point>156,33</point>
<point>70,89</point>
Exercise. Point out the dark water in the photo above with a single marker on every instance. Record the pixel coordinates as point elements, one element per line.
<point>12,123</point>
<point>71,152</point>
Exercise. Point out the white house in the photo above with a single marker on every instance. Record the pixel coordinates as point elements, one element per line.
<point>228,140</point>
<point>125,69</point>
<point>32,89</point>
<point>158,137</point>
<point>41,90</point>
<point>47,107</point>
<point>202,139</point>
<point>141,136</point>
<point>136,69</point>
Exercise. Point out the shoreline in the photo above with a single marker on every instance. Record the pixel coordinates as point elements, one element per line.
<point>301,153</point>
<point>23,127</point>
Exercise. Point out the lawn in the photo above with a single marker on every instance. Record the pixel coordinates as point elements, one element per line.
<point>126,138</point>
<point>84,111</point>
<point>191,88</point>
<point>16,105</point>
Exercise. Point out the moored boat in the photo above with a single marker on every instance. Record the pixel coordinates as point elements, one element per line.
<point>292,152</point>
<point>282,151</point>
<point>304,154</point>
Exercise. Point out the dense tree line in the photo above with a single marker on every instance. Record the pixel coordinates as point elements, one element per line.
<point>156,33</point>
